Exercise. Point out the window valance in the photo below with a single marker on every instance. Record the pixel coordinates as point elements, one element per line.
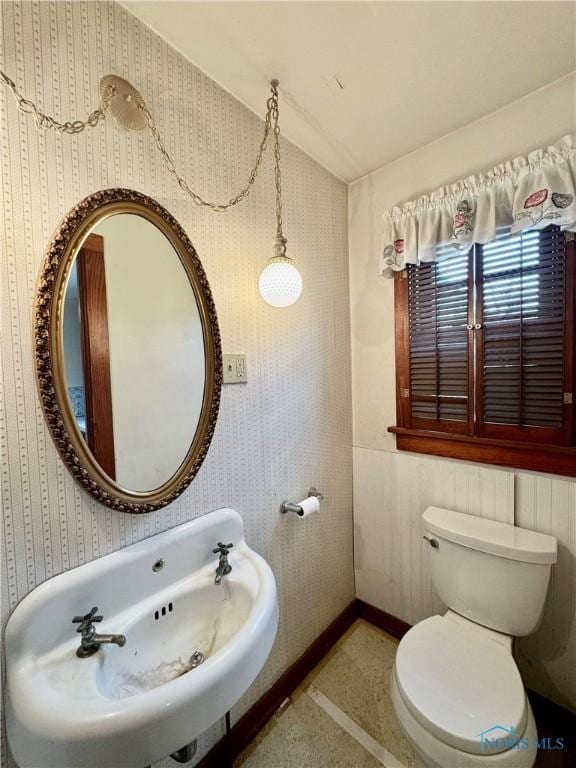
<point>524,193</point>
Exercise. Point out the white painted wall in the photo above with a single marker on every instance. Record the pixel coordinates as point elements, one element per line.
<point>391,489</point>
<point>156,352</point>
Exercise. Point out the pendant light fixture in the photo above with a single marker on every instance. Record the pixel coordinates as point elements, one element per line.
<point>280,283</point>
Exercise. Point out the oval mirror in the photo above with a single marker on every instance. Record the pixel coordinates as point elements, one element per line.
<point>127,350</point>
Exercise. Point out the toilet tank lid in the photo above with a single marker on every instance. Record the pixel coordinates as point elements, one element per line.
<point>491,536</point>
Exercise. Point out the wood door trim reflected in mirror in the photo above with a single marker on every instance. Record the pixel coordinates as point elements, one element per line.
<point>62,250</point>
<point>96,352</point>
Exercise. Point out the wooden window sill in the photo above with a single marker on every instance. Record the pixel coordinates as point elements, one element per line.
<point>553,459</point>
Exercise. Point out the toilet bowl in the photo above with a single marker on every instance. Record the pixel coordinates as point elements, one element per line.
<point>434,753</point>
<point>451,685</point>
<point>456,689</point>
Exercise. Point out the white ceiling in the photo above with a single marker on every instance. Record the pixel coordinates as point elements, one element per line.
<point>410,72</point>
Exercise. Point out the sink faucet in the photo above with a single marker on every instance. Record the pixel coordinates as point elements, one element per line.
<point>224,566</point>
<point>91,640</point>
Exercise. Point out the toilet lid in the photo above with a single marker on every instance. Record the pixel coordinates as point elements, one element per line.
<point>461,685</point>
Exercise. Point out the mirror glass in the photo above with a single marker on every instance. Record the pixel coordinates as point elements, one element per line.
<point>133,351</point>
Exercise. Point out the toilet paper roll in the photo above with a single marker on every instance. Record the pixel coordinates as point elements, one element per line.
<point>309,506</point>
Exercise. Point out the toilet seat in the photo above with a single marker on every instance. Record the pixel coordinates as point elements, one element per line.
<point>434,753</point>
<point>457,681</point>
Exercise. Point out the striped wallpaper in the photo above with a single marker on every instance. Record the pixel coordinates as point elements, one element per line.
<point>290,426</point>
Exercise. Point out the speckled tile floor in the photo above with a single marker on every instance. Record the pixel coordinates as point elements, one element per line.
<point>347,693</point>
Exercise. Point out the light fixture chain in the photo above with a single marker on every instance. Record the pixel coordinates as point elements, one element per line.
<point>271,109</point>
<point>46,121</point>
<point>280,239</point>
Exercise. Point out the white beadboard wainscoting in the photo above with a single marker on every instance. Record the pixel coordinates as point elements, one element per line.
<point>547,659</point>
<point>392,490</point>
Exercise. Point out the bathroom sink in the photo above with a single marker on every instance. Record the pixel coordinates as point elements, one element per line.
<point>192,649</point>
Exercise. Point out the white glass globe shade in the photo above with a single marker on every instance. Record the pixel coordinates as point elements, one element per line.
<point>280,283</point>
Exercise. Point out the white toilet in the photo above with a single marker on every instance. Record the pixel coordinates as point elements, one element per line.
<point>456,688</point>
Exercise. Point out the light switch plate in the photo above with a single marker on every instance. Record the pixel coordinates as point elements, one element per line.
<point>235,371</point>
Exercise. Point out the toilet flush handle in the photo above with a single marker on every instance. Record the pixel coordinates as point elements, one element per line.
<point>433,542</point>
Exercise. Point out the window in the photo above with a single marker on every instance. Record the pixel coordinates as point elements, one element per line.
<point>485,353</point>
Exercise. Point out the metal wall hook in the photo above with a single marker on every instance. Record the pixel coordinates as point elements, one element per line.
<point>314,492</point>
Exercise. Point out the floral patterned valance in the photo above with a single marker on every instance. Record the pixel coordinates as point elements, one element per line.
<point>524,193</point>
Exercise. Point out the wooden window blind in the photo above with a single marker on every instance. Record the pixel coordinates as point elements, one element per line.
<point>438,313</point>
<point>522,348</point>
<point>485,344</point>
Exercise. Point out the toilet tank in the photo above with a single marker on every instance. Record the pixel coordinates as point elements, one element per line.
<point>489,572</point>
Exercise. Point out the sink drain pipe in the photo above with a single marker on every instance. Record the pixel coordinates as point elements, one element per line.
<point>185,754</point>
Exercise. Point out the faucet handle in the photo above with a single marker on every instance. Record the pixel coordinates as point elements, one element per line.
<point>86,620</point>
<point>222,549</point>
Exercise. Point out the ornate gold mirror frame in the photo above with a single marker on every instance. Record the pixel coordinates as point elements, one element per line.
<point>48,311</point>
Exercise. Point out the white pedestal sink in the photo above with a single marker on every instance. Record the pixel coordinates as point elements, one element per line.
<point>129,707</point>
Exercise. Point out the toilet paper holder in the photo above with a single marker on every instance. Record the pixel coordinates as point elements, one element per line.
<point>289,506</point>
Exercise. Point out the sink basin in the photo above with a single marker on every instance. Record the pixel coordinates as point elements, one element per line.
<point>192,649</point>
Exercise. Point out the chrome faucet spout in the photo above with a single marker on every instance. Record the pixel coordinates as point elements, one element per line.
<point>119,640</point>
<point>91,640</point>
<point>224,566</point>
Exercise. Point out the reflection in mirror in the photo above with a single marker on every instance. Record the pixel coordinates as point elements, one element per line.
<point>73,347</point>
<point>134,351</point>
